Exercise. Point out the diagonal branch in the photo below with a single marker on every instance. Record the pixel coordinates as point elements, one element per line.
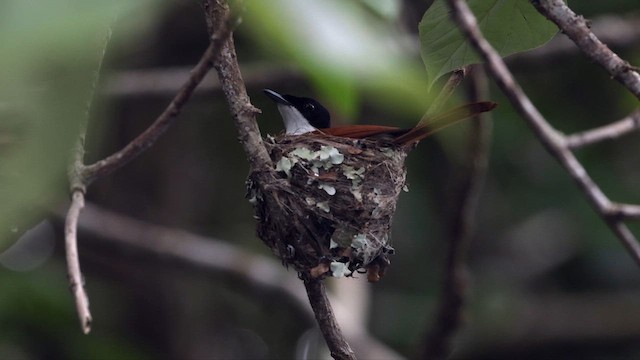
<point>577,28</point>
<point>226,65</point>
<point>551,139</point>
<point>162,123</point>
<point>607,132</point>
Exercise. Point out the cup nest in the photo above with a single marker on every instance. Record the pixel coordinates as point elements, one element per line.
<point>327,206</point>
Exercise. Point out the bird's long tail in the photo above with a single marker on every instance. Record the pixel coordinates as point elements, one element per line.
<point>431,124</point>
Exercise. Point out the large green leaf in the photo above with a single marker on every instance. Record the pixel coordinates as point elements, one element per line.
<point>510,26</point>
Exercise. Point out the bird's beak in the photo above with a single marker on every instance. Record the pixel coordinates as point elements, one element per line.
<point>276,97</point>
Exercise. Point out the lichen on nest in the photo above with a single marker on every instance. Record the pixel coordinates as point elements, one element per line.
<point>327,207</point>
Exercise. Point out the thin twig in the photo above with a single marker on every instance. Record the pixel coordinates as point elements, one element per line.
<point>160,125</point>
<point>331,332</point>
<point>466,194</point>
<point>551,139</point>
<point>77,188</point>
<point>607,132</point>
<point>76,280</point>
<point>577,28</point>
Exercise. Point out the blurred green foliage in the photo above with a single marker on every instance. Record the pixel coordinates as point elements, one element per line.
<point>50,51</point>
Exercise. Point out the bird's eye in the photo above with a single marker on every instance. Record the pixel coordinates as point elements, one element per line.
<point>309,107</point>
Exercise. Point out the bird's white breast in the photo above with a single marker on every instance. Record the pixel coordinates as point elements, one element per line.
<point>294,122</point>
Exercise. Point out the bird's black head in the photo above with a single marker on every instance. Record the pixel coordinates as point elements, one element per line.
<point>312,111</point>
<point>317,115</point>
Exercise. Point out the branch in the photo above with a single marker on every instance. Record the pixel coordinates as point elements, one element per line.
<point>607,132</point>
<point>242,111</point>
<point>623,211</point>
<point>244,115</point>
<point>449,314</point>
<point>616,31</point>
<point>551,139</point>
<point>80,176</point>
<point>76,280</point>
<point>77,188</point>
<point>331,332</point>
<point>161,124</point>
<point>577,28</point>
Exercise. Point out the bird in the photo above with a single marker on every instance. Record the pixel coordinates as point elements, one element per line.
<point>304,115</point>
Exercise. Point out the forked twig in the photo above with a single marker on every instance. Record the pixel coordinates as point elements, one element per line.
<point>80,176</point>
<point>77,188</point>
<point>606,132</point>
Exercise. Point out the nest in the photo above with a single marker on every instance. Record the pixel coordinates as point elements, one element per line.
<point>327,207</point>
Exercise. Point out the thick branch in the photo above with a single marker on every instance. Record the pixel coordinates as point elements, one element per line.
<point>161,124</point>
<point>243,112</point>
<point>339,348</point>
<point>577,28</point>
<point>550,138</point>
<point>607,132</point>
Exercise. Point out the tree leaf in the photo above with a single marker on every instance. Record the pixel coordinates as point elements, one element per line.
<point>511,26</point>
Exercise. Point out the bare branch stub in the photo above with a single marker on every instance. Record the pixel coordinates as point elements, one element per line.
<point>606,132</point>
<point>577,28</point>
<point>551,139</point>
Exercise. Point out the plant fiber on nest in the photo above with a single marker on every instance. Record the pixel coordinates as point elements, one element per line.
<point>327,206</point>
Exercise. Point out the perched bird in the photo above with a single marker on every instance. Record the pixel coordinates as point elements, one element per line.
<point>303,115</point>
